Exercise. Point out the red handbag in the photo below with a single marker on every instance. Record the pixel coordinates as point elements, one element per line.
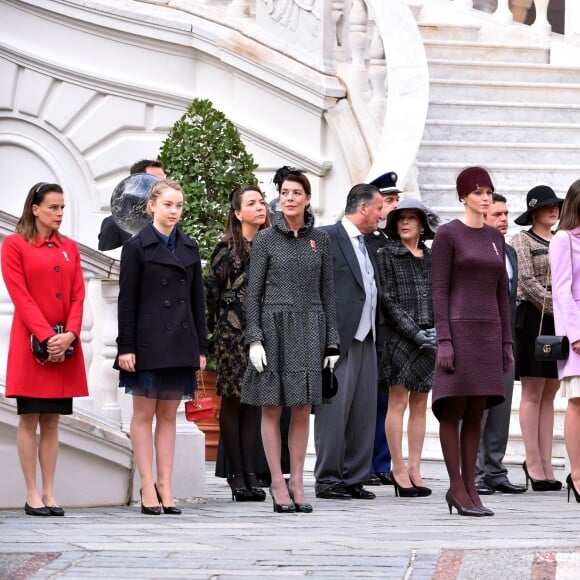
<point>202,407</point>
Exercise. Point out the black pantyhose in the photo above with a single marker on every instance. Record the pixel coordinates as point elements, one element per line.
<point>459,433</point>
<point>239,432</point>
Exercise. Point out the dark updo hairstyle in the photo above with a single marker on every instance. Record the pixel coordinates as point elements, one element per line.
<point>233,234</point>
<point>283,172</point>
<point>26,225</point>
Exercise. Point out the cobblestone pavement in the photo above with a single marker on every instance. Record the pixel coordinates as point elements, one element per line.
<point>532,536</point>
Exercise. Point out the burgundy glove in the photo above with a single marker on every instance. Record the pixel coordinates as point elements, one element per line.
<point>508,356</point>
<point>445,356</point>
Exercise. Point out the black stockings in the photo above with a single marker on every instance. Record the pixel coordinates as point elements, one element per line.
<point>239,431</point>
<point>459,433</point>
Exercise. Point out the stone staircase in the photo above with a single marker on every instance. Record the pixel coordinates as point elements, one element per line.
<point>501,105</point>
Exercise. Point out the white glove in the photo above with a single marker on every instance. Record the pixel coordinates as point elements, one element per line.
<point>258,356</point>
<point>330,361</point>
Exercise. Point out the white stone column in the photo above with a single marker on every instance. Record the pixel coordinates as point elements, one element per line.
<point>109,377</point>
<point>377,78</point>
<point>358,40</point>
<point>503,13</point>
<point>541,23</point>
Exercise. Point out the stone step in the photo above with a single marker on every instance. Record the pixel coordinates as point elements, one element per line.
<point>490,91</point>
<point>505,176</point>
<point>445,107</point>
<point>502,71</point>
<point>457,32</point>
<point>478,51</point>
<point>488,152</point>
<point>502,132</point>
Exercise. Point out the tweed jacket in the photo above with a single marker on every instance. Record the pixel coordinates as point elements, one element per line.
<point>533,262</point>
<point>565,263</point>
<point>161,309</point>
<point>406,289</point>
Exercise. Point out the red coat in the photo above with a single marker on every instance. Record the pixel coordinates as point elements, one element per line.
<point>45,283</point>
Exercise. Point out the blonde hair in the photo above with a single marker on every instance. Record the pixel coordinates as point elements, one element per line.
<point>158,188</point>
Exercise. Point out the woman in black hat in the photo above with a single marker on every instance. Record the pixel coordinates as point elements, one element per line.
<point>539,379</point>
<point>409,347</point>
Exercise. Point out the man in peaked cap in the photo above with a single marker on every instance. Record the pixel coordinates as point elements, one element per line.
<point>381,463</point>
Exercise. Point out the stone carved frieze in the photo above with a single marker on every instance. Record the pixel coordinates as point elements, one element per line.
<point>293,14</point>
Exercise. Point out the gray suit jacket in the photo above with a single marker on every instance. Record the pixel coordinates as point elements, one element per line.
<point>348,285</point>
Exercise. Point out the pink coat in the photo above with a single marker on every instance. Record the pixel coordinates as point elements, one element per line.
<point>565,267</point>
<point>45,282</point>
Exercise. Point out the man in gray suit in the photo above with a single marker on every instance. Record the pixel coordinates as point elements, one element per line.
<point>344,428</point>
<point>491,472</point>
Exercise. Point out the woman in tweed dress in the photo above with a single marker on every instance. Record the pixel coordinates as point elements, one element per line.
<point>539,379</point>
<point>409,348</point>
<point>291,325</point>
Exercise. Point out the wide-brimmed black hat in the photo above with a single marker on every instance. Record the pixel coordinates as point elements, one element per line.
<point>539,196</point>
<point>429,219</point>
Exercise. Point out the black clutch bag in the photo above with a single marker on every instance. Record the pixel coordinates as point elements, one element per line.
<point>550,348</point>
<point>40,350</point>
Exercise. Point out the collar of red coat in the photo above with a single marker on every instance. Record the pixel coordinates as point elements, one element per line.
<point>54,239</point>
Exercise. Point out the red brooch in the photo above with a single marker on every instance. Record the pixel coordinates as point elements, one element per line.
<point>313,245</point>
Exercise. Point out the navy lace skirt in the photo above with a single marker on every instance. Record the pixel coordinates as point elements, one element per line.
<point>162,384</point>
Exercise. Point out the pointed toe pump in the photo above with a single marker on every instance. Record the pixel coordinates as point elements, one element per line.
<point>462,511</point>
<point>167,509</point>
<point>570,484</point>
<point>149,510</point>
<point>282,508</point>
<point>404,491</point>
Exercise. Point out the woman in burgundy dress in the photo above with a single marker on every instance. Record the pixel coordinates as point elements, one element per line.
<point>472,321</point>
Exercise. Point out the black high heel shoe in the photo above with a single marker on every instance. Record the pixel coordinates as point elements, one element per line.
<point>303,508</point>
<point>241,493</point>
<point>149,511</point>
<point>167,509</point>
<point>282,508</point>
<point>571,486</point>
<point>421,489</point>
<point>462,511</point>
<point>539,484</point>
<point>258,493</point>
<point>404,491</point>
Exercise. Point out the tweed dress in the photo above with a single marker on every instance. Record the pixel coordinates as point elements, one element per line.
<point>290,308</point>
<point>408,306</point>
<point>471,308</point>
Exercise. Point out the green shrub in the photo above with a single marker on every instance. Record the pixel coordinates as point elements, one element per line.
<point>204,153</point>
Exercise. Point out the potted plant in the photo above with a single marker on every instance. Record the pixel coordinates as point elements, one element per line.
<point>205,154</point>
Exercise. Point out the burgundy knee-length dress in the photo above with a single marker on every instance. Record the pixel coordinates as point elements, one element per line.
<point>470,305</point>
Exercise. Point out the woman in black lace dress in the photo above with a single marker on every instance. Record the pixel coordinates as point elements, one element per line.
<point>226,284</point>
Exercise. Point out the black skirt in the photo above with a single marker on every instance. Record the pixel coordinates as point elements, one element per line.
<point>172,384</point>
<point>527,329</point>
<point>31,405</point>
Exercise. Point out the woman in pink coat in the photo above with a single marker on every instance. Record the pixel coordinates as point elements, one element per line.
<point>43,275</point>
<point>565,264</point>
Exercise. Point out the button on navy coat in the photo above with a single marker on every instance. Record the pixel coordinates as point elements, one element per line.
<point>161,308</point>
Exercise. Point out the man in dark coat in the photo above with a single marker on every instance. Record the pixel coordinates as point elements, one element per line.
<point>111,235</point>
<point>491,472</point>
<point>344,428</point>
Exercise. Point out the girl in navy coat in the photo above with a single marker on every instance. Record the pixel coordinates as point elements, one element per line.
<point>162,338</point>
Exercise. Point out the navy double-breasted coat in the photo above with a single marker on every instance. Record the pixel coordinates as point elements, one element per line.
<point>161,308</point>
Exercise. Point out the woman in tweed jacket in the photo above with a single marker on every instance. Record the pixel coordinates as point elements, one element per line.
<point>409,348</point>
<point>291,323</point>
<point>539,379</point>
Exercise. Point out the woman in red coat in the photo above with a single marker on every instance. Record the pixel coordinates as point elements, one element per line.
<point>43,275</point>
